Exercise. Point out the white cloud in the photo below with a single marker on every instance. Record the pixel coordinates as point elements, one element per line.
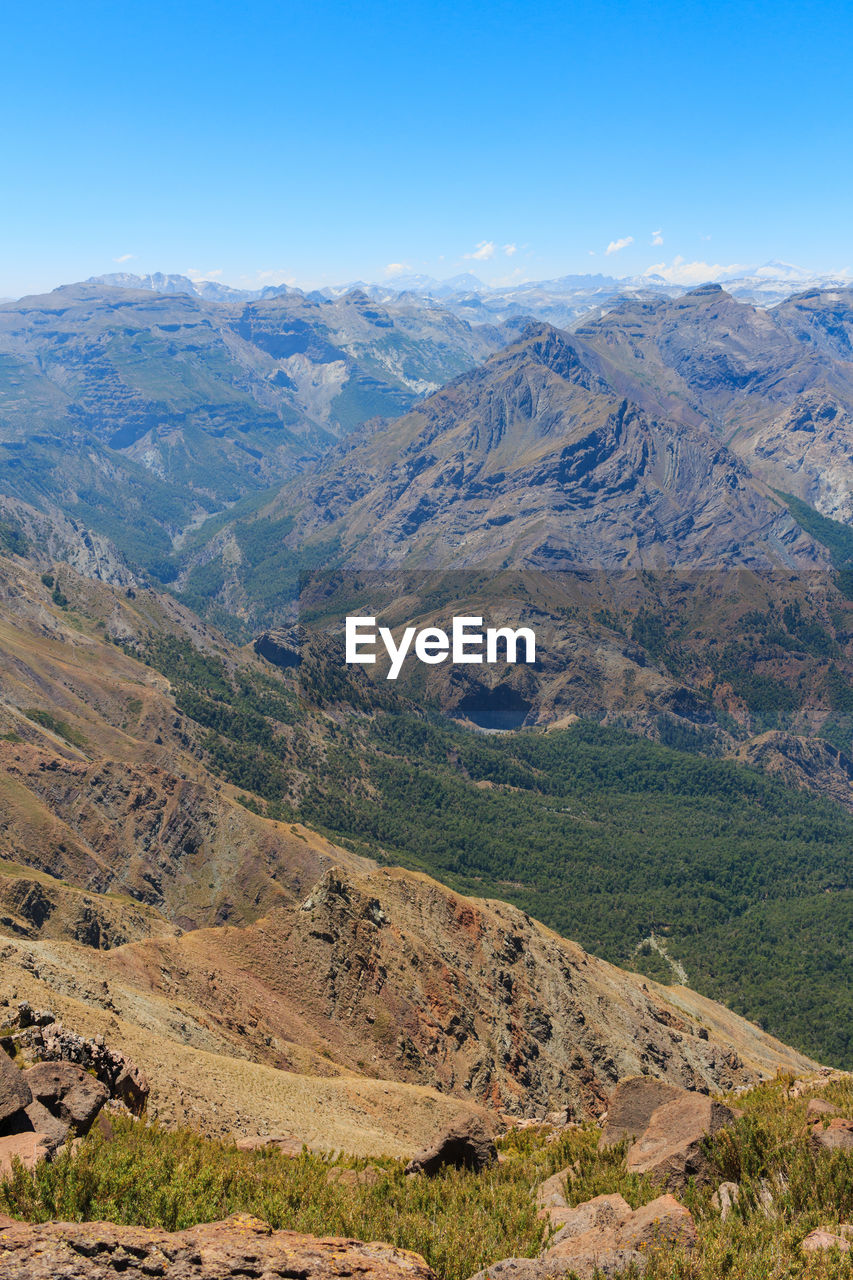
<point>510,249</point>
<point>202,275</point>
<point>279,274</point>
<point>616,245</point>
<point>397,268</point>
<point>680,272</point>
<point>657,237</point>
<point>485,250</point>
<point>515,277</point>
<point>125,257</point>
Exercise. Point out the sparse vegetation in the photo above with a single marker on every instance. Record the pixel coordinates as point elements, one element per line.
<point>49,721</point>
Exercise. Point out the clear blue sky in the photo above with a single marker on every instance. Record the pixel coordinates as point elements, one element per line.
<point>325,141</point>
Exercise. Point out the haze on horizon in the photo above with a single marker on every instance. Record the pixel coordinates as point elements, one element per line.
<point>322,144</point>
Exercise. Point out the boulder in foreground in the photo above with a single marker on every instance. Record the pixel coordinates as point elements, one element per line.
<point>671,1147</point>
<point>631,1105</point>
<point>68,1092</point>
<point>14,1091</point>
<point>464,1144</point>
<point>239,1246</point>
<point>602,1237</point>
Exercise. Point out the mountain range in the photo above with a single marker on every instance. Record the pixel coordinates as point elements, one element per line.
<point>661,490</point>
<point>142,413</point>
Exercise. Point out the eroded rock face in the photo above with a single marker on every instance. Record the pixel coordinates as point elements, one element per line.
<point>49,1041</point>
<point>671,1146</point>
<point>804,763</point>
<point>631,1106</point>
<point>238,1246</point>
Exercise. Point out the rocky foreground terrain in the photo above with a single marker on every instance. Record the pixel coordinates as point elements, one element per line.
<point>668,1184</point>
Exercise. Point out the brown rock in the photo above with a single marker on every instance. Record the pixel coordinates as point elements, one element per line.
<point>54,1130</point>
<point>631,1106</point>
<point>596,1256</point>
<point>68,1092</point>
<point>515,1269</point>
<point>837,1136</point>
<point>551,1193</point>
<point>670,1148</point>
<point>602,1237</point>
<point>604,1213</point>
<point>239,1246</point>
<point>820,1107</point>
<point>817,1240</point>
<point>465,1144</point>
<point>663,1221</point>
<point>14,1092</point>
<point>29,1148</point>
<point>132,1088</point>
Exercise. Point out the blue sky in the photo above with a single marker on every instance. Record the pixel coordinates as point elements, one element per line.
<point>329,141</point>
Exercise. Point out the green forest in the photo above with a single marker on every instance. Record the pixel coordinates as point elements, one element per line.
<point>604,836</point>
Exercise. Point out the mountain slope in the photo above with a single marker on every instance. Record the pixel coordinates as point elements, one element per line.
<point>119,778</point>
<point>776,385</point>
<point>535,461</point>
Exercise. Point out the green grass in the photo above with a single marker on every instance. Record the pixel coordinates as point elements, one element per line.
<point>462,1221</point>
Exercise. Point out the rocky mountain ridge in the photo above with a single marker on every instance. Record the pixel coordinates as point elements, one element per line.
<point>535,461</point>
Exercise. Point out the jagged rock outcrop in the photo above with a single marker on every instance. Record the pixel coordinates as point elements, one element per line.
<point>236,1247</point>
<point>44,1103</point>
<point>387,972</point>
<point>76,1061</point>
